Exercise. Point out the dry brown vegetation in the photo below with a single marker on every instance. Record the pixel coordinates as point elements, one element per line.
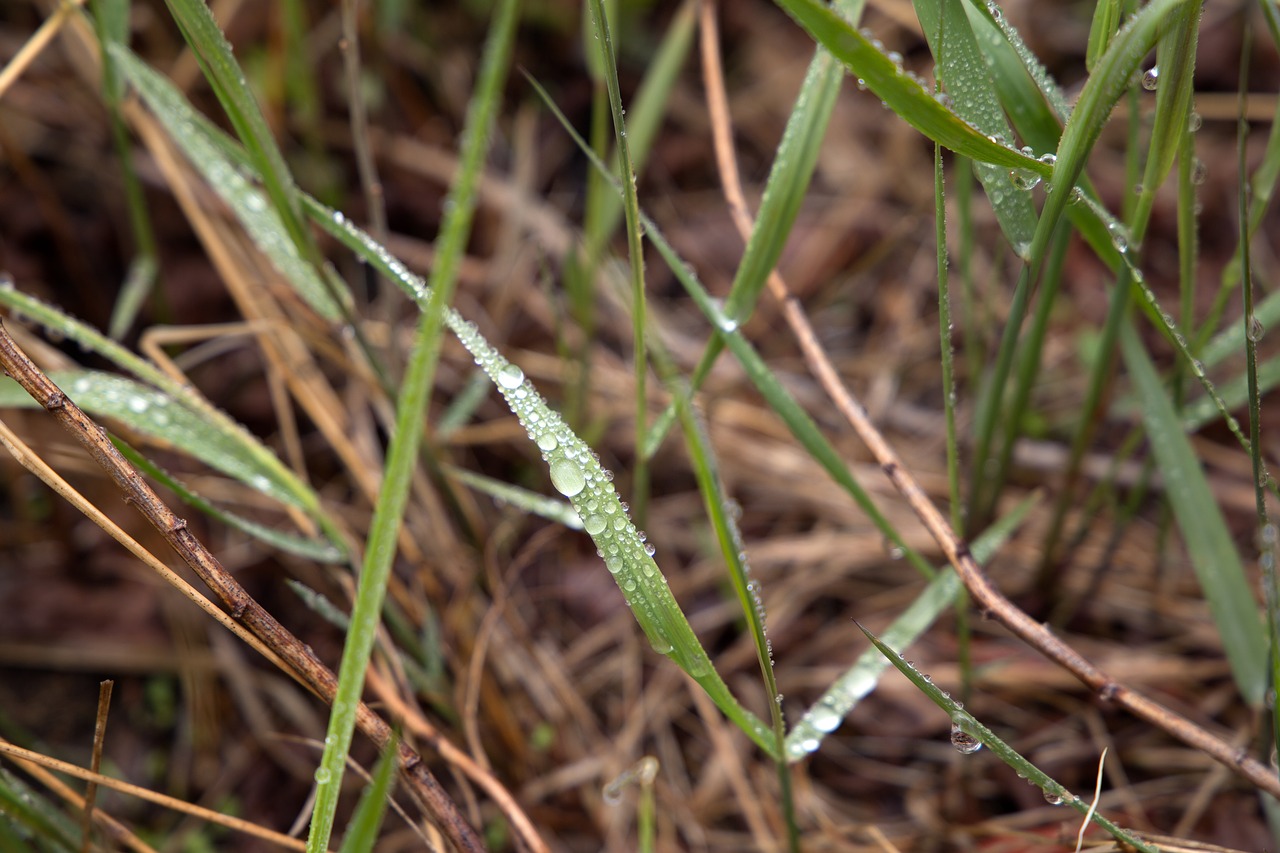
<point>529,661</point>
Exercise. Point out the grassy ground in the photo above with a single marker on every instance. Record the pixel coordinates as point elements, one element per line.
<point>504,634</point>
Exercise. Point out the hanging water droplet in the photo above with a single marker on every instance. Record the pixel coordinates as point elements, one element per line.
<point>1051,798</point>
<point>510,377</point>
<point>962,740</point>
<point>1151,78</point>
<point>892,549</point>
<point>1194,121</point>
<point>1024,179</point>
<point>1049,159</point>
<point>650,549</point>
<point>1256,329</point>
<point>567,477</point>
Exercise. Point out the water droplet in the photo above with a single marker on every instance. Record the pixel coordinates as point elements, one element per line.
<point>1024,179</point>
<point>1119,238</point>
<point>1049,159</point>
<point>1199,171</point>
<point>138,405</point>
<point>547,442</point>
<point>650,549</point>
<point>510,377</point>
<point>593,524</point>
<point>1194,121</point>
<point>1256,329</point>
<point>567,477</point>
<point>613,563</point>
<point>824,718</point>
<point>963,741</point>
<point>1051,798</point>
<point>322,775</point>
<point>1151,78</point>
<point>892,549</point>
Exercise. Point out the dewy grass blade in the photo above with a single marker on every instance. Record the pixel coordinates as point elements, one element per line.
<point>402,455</point>
<point>262,221</point>
<point>967,81</point>
<point>1212,552</point>
<point>774,392</point>
<point>224,74</point>
<point>859,680</point>
<point>968,734</point>
<point>255,461</point>
<point>901,93</point>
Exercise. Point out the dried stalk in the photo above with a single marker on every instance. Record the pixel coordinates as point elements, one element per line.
<point>956,549</point>
<point>308,668</point>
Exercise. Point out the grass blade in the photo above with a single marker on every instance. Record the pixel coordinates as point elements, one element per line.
<point>1213,554</point>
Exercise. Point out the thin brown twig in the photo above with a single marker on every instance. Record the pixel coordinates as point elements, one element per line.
<point>95,761</point>
<point>957,552</point>
<point>303,661</point>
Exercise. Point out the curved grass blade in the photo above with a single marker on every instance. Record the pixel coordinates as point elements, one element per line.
<point>1213,554</point>
<point>976,733</point>
<point>825,716</point>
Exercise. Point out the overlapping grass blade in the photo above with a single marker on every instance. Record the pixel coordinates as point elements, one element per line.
<point>968,82</point>
<point>1212,552</point>
<point>904,94</point>
<point>972,729</point>
<point>362,830</point>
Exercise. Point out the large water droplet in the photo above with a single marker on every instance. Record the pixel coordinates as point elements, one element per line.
<point>1119,238</point>
<point>824,718</point>
<point>593,524</point>
<point>962,740</point>
<point>547,442</point>
<point>1151,78</point>
<point>567,477</point>
<point>1256,329</point>
<point>1052,798</point>
<point>510,377</point>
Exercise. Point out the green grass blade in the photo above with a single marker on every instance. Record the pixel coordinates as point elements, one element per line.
<point>577,474</point>
<point>1213,554</point>
<point>411,404</point>
<point>903,94</point>
<point>1007,52</point>
<point>262,220</point>
<point>635,254</point>
<point>159,416</point>
<point>311,549</point>
<point>255,462</point>
<point>860,679</point>
<point>976,733</point>
<point>966,79</point>
<point>227,79</point>
<point>362,831</point>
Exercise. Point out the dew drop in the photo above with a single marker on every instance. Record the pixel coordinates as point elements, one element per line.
<point>824,718</point>
<point>1118,237</point>
<point>567,477</point>
<point>322,775</point>
<point>1256,329</point>
<point>650,549</point>
<point>593,524</point>
<point>1151,78</point>
<point>892,550</point>
<point>1199,171</point>
<point>547,442</point>
<point>510,377</point>
<point>1194,121</point>
<point>963,741</point>
<point>1051,798</point>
